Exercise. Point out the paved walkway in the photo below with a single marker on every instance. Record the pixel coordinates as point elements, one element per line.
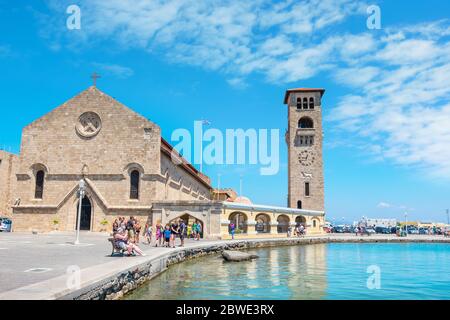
<point>37,265</point>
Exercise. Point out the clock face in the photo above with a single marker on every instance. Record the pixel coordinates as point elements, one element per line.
<point>306,157</point>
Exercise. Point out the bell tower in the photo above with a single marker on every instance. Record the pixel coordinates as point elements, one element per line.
<point>304,137</point>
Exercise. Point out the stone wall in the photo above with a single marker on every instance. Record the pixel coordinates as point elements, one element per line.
<point>177,184</point>
<point>308,171</point>
<point>117,286</point>
<point>124,141</point>
<point>8,166</point>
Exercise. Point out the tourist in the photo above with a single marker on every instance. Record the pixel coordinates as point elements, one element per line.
<point>194,230</point>
<point>123,242</point>
<point>137,231</point>
<point>198,229</point>
<point>289,231</point>
<point>122,223</point>
<point>297,230</point>
<point>232,229</point>
<point>115,226</point>
<point>174,228</point>
<point>148,232</point>
<point>130,228</point>
<point>182,231</point>
<point>189,231</point>
<point>167,235</point>
<point>301,229</point>
<point>356,231</point>
<point>159,234</point>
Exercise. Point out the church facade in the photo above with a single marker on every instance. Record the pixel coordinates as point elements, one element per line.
<point>128,170</point>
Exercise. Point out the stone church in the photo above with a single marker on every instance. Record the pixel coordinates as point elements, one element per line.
<point>130,170</point>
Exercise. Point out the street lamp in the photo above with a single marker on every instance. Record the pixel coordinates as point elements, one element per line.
<point>81,190</point>
<point>406,223</point>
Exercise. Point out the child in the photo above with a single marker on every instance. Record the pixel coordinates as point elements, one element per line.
<point>167,235</point>
<point>232,229</point>
<point>198,230</point>
<point>148,233</point>
<point>194,230</point>
<point>158,234</point>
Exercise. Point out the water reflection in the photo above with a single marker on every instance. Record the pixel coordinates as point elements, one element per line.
<point>320,271</point>
<point>284,273</point>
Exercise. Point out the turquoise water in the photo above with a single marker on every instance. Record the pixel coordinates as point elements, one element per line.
<point>320,271</point>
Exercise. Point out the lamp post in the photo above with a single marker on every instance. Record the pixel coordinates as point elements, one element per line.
<point>81,190</point>
<point>406,223</point>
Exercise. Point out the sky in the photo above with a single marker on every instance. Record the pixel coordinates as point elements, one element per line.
<point>386,107</point>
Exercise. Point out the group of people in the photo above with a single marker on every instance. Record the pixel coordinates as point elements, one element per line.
<point>126,233</point>
<point>166,235</point>
<point>299,230</point>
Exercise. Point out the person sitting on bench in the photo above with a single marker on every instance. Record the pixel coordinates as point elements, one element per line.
<point>121,239</point>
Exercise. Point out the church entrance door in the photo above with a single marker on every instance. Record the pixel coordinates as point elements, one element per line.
<point>86,210</point>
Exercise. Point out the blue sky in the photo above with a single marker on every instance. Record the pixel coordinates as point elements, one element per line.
<point>386,108</point>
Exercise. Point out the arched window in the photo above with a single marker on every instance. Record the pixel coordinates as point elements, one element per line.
<point>314,223</point>
<point>305,123</point>
<point>283,224</point>
<point>262,223</point>
<point>299,204</point>
<point>300,220</point>
<point>240,221</point>
<point>134,184</point>
<point>311,103</point>
<point>305,103</point>
<point>299,103</point>
<point>39,188</point>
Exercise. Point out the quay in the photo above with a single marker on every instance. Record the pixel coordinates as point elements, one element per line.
<point>49,266</point>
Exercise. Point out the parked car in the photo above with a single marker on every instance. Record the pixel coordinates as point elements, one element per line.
<point>413,230</point>
<point>382,230</point>
<point>370,230</point>
<point>348,229</point>
<point>5,224</point>
<point>423,231</point>
<point>338,229</point>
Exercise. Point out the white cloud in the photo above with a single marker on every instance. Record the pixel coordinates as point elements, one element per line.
<point>384,205</point>
<point>114,69</point>
<point>238,83</point>
<point>356,77</point>
<point>401,74</point>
